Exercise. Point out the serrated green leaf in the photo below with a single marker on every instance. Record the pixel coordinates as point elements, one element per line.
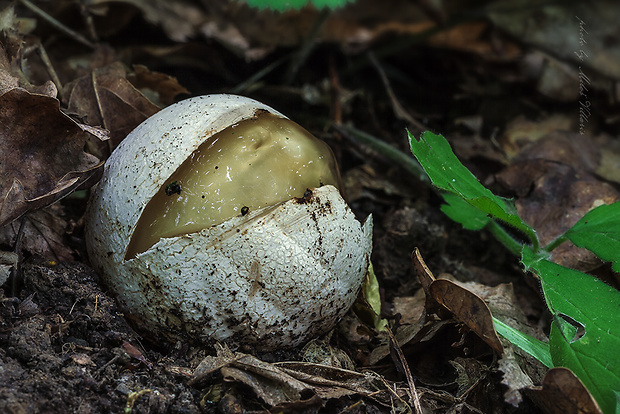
<point>595,356</point>
<point>464,213</point>
<point>527,343</point>
<point>446,172</point>
<point>599,232</point>
<point>282,5</point>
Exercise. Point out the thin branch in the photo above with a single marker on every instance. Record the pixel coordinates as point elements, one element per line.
<point>405,367</point>
<point>58,25</point>
<point>302,54</point>
<point>399,111</point>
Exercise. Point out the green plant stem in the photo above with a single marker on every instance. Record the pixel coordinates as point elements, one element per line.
<point>412,166</point>
<point>386,150</point>
<point>555,243</point>
<point>505,238</point>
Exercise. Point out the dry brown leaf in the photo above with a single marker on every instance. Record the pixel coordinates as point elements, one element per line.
<point>106,98</point>
<point>563,393</point>
<point>254,33</point>
<point>83,359</point>
<point>8,261</point>
<point>578,32</point>
<point>135,353</point>
<point>427,278</point>
<point>514,378</point>
<point>470,303</point>
<point>300,383</point>
<point>165,87</point>
<point>42,234</point>
<point>268,382</point>
<point>521,132</point>
<point>41,153</point>
<point>13,63</point>
<point>467,308</point>
<point>180,19</point>
<point>470,37</point>
<point>553,180</point>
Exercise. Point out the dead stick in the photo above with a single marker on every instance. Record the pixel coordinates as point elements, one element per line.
<point>41,13</point>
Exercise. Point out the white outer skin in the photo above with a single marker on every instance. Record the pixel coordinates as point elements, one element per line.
<point>273,278</point>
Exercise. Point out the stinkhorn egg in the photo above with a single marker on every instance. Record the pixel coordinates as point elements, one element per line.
<point>219,219</point>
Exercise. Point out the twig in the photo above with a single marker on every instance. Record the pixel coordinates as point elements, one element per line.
<point>335,92</point>
<point>243,86</point>
<point>405,367</point>
<point>17,270</point>
<point>90,24</point>
<point>58,25</point>
<point>93,78</point>
<point>399,111</point>
<point>50,69</point>
<point>302,54</point>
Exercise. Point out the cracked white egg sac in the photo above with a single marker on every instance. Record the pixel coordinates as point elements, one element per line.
<point>218,219</point>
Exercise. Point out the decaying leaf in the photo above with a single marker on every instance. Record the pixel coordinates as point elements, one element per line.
<point>521,131</point>
<point>514,378</point>
<point>426,277</point>
<point>562,392</point>
<point>41,150</point>
<point>41,153</point>
<point>555,185</point>
<point>301,383</point>
<point>8,261</point>
<point>106,98</point>
<point>319,351</point>
<point>135,353</point>
<point>42,234</point>
<point>577,32</point>
<point>468,308</point>
<point>164,87</point>
<point>180,19</point>
<point>470,302</point>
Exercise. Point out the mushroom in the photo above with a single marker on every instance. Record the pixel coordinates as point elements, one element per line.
<point>219,219</point>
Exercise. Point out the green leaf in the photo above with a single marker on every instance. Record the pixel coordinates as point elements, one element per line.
<point>464,213</point>
<point>282,5</point>
<point>599,232</point>
<point>372,296</point>
<point>536,348</point>
<point>595,356</point>
<point>446,172</point>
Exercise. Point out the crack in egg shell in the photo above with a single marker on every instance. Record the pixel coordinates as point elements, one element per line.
<point>230,291</point>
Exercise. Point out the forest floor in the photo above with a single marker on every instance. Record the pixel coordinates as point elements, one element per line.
<point>527,97</point>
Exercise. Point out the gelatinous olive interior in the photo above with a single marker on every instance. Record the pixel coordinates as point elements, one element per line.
<point>255,163</point>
